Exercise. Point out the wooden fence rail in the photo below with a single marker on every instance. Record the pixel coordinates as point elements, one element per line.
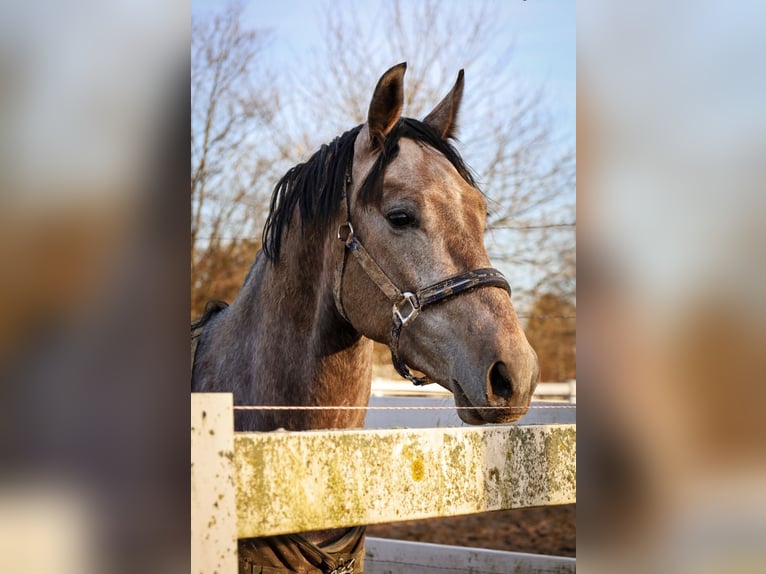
<point>259,484</point>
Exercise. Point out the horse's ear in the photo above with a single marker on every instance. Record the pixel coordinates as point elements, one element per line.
<point>443,118</point>
<point>386,104</point>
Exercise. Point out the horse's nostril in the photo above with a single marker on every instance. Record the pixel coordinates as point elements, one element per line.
<point>500,381</point>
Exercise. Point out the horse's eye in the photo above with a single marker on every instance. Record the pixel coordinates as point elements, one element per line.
<point>399,219</point>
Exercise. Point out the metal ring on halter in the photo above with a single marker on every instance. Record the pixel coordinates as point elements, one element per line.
<point>348,228</point>
<point>412,300</point>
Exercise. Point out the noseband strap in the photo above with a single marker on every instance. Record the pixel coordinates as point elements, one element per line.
<point>405,305</point>
<point>413,303</point>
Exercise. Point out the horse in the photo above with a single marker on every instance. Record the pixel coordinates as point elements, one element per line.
<point>378,236</point>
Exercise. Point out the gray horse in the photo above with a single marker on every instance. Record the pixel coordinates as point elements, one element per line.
<point>377,237</point>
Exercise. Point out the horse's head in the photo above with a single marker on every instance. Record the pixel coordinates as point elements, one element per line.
<point>419,218</point>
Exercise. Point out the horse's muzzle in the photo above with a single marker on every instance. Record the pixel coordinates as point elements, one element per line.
<point>506,397</point>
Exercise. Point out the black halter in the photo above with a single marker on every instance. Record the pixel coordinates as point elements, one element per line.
<point>406,304</point>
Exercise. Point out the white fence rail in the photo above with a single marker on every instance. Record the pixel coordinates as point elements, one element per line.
<point>389,393</point>
<point>543,413</point>
<point>261,484</point>
<point>399,556</point>
<point>382,387</point>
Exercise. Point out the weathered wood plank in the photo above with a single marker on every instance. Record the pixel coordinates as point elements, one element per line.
<point>394,556</point>
<point>213,502</point>
<point>292,482</point>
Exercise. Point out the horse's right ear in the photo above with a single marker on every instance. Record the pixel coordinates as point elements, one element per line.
<point>386,104</point>
<point>444,116</point>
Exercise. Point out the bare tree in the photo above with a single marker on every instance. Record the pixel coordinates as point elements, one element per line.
<point>507,134</point>
<point>233,109</point>
<point>546,250</point>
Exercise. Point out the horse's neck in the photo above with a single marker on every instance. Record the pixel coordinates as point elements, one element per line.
<point>299,352</point>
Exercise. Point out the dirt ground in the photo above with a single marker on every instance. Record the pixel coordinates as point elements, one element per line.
<point>543,530</point>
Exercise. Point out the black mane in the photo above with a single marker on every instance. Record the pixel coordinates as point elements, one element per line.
<point>316,186</point>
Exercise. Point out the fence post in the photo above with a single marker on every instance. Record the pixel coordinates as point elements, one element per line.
<point>213,484</point>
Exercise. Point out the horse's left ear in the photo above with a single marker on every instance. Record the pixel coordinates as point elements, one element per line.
<point>443,118</point>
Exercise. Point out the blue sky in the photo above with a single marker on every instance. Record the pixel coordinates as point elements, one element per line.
<point>543,31</point>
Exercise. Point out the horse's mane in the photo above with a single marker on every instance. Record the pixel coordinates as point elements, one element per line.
<point>316,186</point>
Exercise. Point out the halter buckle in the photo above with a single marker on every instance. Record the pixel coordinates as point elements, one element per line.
<point>412,300</point>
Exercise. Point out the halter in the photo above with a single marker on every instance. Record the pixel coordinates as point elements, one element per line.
<point>406,305</point>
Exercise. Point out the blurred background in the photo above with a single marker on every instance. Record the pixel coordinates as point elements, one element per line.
<point>94,219</point>
<point>671,205</point>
